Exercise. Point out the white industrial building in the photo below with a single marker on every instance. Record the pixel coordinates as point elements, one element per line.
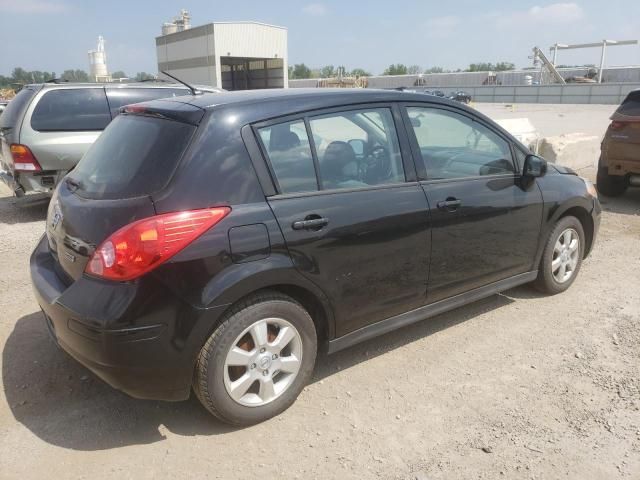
<point>229,55</point>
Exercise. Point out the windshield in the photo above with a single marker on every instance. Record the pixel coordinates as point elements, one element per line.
<point>135,155</point>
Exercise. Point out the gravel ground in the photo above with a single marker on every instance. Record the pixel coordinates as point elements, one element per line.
<point>515,386</point>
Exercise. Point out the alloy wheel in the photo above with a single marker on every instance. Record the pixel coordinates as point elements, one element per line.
<point>263,362</point>
<point>565,255</point>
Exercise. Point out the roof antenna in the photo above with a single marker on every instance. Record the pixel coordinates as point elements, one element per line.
<point>192,89</point>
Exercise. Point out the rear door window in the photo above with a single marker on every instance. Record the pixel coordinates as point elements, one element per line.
<point>631,105</point>
<point>136,155</point>
<point>119,97</point>
<point>358,149</point>
<point>12,115</point>
<point>69,110</point>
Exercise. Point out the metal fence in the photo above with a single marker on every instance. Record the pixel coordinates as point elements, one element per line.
<point>593,93</point>
<point>474,79</point>
<point>604,93</point>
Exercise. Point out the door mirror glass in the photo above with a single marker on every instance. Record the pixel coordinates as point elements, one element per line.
<point>534,166</point>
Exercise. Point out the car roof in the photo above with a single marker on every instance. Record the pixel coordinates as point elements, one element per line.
<point>118,85</point>
<point>305,98</point>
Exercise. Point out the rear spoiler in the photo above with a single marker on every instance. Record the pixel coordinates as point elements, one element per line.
<point>168,110</point>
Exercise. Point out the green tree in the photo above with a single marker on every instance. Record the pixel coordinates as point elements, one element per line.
<point>434,70</point>
<point>119,74</point>
<point>75,76</point>
<point>328,71</point>
<point>298,71</point>
<point>144,76</point>
<point>490,67</point>
<point>20,76</point>
<point>394,69</point>
<point>414,69</point>
<point>359,72</point>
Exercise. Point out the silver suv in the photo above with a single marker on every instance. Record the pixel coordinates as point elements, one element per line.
<point>46,129</point>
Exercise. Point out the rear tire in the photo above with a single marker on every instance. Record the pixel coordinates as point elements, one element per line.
<point>562,258</point>
<point>257,361</point>
<point>610,185</point>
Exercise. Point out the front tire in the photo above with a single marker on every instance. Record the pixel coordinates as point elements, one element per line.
<point>257,361</point>
<point>610,185</point>
<point>562,257</point>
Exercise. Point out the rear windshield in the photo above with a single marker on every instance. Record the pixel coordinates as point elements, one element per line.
<point>134,156</point>
<point>71,110</point>
<point>631,105</point>
<point>119,97</point>
<point>16,108</point>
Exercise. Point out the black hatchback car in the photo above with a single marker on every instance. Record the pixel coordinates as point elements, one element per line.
<point>214,242</point>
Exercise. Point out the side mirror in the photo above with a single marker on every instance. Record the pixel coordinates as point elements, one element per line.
<point>534,166</point>
<point>358,146</point>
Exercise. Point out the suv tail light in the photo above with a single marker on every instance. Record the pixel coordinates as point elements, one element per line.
<point>23,159</point>
<point>141,246</point>
<point>618,125</point>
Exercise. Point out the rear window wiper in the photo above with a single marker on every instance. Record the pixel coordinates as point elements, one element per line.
<point>77,185</point>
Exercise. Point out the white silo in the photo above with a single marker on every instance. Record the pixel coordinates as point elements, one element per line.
<point>169,28</point>
<point>98,63</point>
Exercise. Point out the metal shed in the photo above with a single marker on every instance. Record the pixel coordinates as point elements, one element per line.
<point>229,55</point>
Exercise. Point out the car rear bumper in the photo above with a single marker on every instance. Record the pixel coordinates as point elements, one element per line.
<point>10,181</point>
<point>25,182</point>
<point>126,333</point>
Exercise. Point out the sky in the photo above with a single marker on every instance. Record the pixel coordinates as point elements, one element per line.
<point>55,35</point>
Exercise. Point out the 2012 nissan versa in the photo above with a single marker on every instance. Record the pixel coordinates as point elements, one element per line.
<point>216,242</point>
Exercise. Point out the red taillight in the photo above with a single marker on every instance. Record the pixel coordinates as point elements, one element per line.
<point>23,159</point>
<point>135,108</point>
<point>618,125</point>
<point>141,246</point>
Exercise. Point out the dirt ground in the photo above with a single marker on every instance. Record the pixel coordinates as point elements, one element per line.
<point>515,386</point>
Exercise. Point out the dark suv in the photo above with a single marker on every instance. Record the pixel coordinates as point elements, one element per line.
<point>214,242</point>
<point>619,164</point>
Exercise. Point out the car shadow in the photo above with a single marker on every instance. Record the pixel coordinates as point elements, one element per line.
<point>65,405</point>
<point>626,204</point>
<point>30,208</point>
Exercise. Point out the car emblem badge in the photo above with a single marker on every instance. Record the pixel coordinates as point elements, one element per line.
<point>265,362</point>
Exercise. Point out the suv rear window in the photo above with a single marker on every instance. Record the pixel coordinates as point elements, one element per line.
<point>134,156</point>
<point>119,97</point>
<point>68,110</point>
<point>631,105</point>
<point>16,108</point>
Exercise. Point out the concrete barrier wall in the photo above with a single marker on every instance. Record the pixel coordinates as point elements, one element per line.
<point>605,93</point>
<point>595,93</point>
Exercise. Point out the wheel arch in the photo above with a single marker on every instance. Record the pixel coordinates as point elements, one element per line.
<point>287,281</point>
<point>579,208</point>
<point>587,225</point>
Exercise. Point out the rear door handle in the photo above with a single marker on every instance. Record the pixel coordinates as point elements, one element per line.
<point>450,203</point>
<point>310,224</point>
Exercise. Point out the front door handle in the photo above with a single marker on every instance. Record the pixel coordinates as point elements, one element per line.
<point>313,223</point>
<point>449,204</point>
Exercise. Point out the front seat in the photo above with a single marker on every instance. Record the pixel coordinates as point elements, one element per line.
<point>283,139</point>
<point>339,165</point>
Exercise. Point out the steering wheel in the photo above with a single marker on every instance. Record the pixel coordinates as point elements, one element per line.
<point>377,164</point>
<point>450,160</point>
